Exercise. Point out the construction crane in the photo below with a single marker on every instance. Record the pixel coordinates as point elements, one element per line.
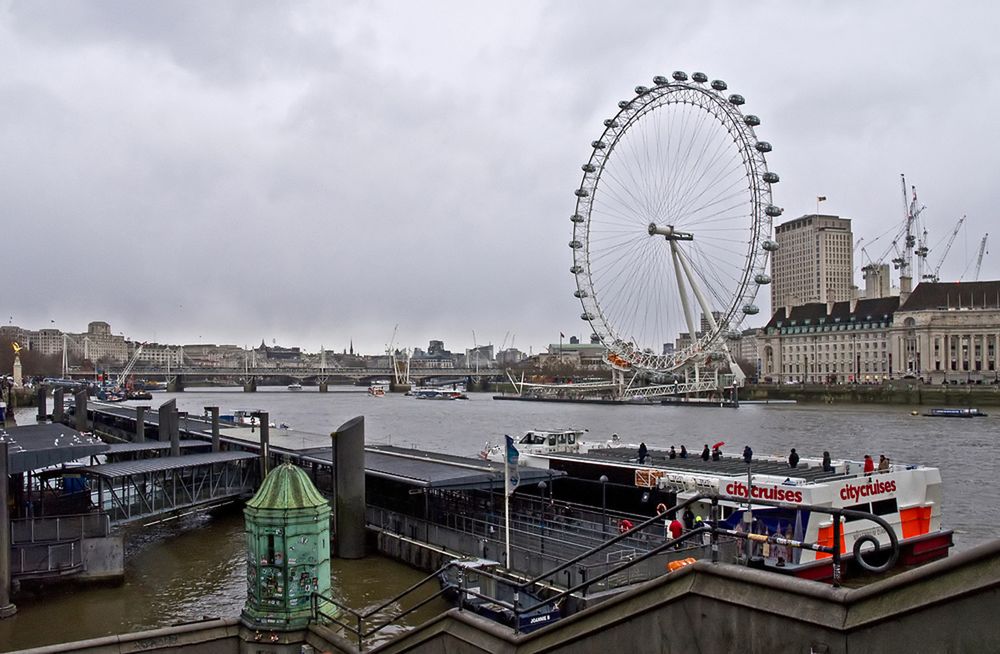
<point>979,259</point>
<point>933,277</point>
<point>903,260</point>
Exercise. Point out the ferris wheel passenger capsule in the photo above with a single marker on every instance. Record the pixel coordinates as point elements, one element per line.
<point>586,316</point>
<point>771,178</point>
<point>577,218</point>
<point>576,245</point>
<point>576,270</point>
<point>737,99</point>
<point>763,146</point>
<point>624,104</point>
<point>580,294</point>
<point>679,75</point>
<point>762,278</point>
<point>750,309</point>
<point>733,335</point>
<point>598,145</point>
<point>641,90</point>
<point>719,85</point>
<point>773,211</point>
<point>701,78</point>
<point>770,246</point>
<point>582,193</point>
<point>660,80</point>
<point>588,167</point>
<point>751,120</point>
<point>610,122</point>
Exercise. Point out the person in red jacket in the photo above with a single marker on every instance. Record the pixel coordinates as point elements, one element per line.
<point>869,465</point>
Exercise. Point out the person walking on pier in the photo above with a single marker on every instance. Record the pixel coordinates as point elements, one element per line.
<point>793,459</point>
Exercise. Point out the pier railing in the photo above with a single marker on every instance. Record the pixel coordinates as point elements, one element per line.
<point>621,566</point>
<point>59,528</point>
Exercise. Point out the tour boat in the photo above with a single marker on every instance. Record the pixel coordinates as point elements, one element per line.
<point>378,388</point>
<point>493,596</point>
<point>295,386</point>
<point>533,447</point>
<point>438,394</point>
<point>246,418</point>
<point>907,496</point>
<point>955,413</point>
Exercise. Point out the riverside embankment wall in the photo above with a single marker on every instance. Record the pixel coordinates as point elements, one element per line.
<point>970,395</point>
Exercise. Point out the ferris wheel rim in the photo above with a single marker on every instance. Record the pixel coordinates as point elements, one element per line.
<point>624,353</point>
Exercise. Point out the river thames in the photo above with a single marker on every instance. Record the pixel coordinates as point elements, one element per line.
<point>193,568</point>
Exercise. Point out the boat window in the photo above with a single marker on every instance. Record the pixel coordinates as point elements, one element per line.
<point>885,507</point>
<point>572,439</point>
<point>552,439</point>
<point>866,507</point>
<point>562,439</point>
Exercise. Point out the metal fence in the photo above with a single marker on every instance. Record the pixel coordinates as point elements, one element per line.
<point>60,528</point>
<point>46,559</point>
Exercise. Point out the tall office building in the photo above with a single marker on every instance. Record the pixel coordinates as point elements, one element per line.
<point>814,261</point>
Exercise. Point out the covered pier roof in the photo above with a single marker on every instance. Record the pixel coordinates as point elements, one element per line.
<point>142,466</point>
<point>424,469</point>
<point>33,447</point>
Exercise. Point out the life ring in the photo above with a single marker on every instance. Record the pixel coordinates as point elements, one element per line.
<point>661,508</point>
<point>677,565</point>
<point>624,525</point>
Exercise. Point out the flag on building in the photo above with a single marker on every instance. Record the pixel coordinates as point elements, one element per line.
<point>561,335</point>
<point>510,467</point>
<point>821,198</point>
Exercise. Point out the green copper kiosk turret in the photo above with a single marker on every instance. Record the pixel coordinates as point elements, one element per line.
<point>288,550</point>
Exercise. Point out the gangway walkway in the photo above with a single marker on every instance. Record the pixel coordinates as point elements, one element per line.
<point>130,491</point>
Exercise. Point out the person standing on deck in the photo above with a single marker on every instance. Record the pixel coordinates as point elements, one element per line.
<point>883,463</point>
<point>748,455</point>
<point>827,463</point>
<point>793,459</point>
<point>704,453</point>
<point>684,452</point>
<point>643,453</point>
<point>869,465</point>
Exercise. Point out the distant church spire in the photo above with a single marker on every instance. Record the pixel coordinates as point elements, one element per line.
<point>352,347</point>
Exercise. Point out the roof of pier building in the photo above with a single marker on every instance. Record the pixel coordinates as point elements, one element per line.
<point>953,296</point>
<point>33,447</point>
<point>424,469</point>
<point>821,313</point>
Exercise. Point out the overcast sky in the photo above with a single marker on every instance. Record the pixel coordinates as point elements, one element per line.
<point>311,173</point>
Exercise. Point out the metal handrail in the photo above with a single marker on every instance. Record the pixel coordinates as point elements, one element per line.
<point>710,526</point>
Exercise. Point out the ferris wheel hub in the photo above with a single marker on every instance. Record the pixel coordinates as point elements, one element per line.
<point>669,233</point>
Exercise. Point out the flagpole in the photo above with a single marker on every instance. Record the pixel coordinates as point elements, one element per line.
<point>506,506</point>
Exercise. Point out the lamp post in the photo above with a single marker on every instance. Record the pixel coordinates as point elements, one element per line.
<point>604,503</point>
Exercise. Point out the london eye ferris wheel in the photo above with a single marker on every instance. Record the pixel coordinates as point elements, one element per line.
<point>672,226</point>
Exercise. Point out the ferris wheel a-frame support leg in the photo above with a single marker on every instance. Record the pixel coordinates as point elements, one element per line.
<point>706,311</point>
